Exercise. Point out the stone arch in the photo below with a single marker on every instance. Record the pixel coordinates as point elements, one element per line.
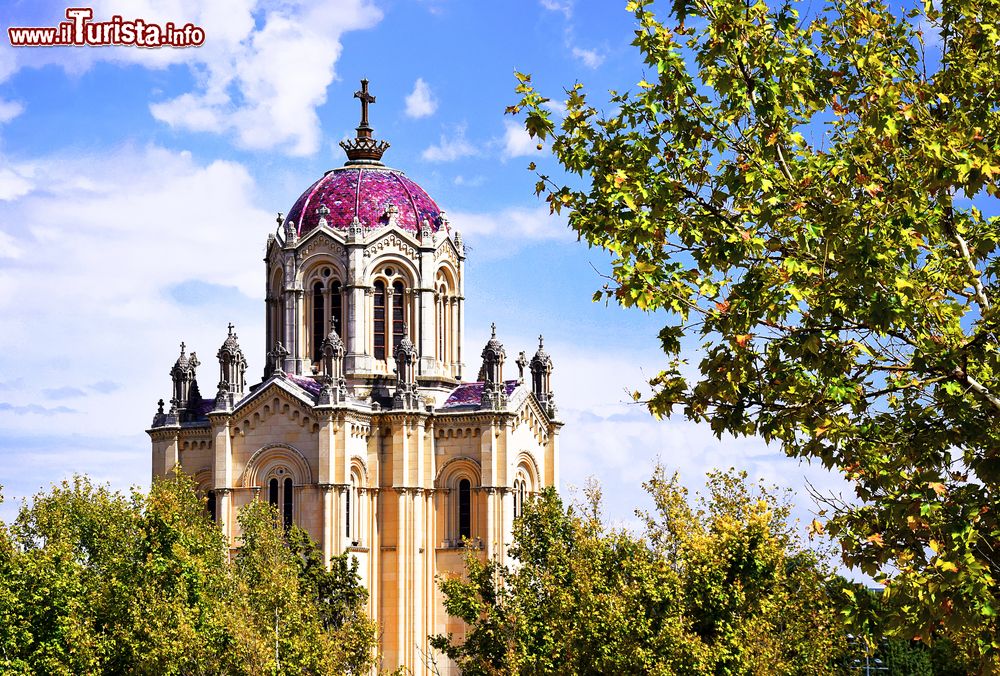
<point>408,267</point>
<point>271,456</point>
<point>462,465</point>
<point>526,461</point>
<point>360,467</point>
<point>203,479</point>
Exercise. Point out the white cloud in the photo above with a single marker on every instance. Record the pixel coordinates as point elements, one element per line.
<point>8,247</point>
<point>94,295</point>
<point>516,140</point>
<point>510,227</point>
<point>9,110</point>
<point>564,6</point>
<point>453,146</point>
<point>421,102</point>
<point>14,182</point>
<point>473,182</point>
<point>590,57</point>
<point>260,75</point>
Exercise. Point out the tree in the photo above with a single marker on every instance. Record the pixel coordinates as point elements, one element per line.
<point>799,194</point>
<point>725,588</point>
<point>93,581</point>
<point>294,616</point>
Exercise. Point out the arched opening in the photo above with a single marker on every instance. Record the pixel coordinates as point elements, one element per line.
<point>210,505</point>
<point>287,505</point>
<point>464,509</point>
<point>281,496</point>
<point>398,313</point>
<point>337,309</point>
<point>379,332</point>
<point>272,492</point>
<point>319,321</point>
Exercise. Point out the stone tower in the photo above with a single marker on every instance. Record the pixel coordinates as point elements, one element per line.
<point>362,430</point>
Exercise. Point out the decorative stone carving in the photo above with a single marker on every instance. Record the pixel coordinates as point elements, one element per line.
<point>390,242</point>
<point>321,242</point>
<point>541,373</point>
<point>406,396</point>
<point>494,391</point>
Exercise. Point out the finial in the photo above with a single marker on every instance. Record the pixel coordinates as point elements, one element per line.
<point>231,327</point>
<point>159,407</point>
<point>182,348</point>
<point>540,341</point>
<point>493,329</point>
<point>366,98</point>
<point>364,149</point>
<point>280,218</point>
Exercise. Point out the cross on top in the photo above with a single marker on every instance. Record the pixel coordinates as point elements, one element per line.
<point>231,327</point>
<point>366,98</point>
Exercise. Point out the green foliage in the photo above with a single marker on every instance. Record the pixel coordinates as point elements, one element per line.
<point>724,588</point>
<point>798,191</point>
<point>92,581</point>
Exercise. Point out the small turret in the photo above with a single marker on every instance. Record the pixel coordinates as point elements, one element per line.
<point>334,383</point>
<point>232,373</point>
<point>186,393</point>
<point>541,372</point>
<point>276,360</point>
<point>491,373</point>
<point>406,376</point>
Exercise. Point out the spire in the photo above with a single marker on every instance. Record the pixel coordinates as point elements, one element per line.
<point>334,383</point>
<point>364,149</point>
<point>276,360</point>
<point>186,394</point>
<point>232,373</point>
<point>491,373</point>
<point>541,372</point>
<point>406,379</point>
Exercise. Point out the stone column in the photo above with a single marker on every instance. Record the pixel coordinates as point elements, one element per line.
<point>327,523</point>
<point>355,334</point>
<point>507,530</point>
<point>224,503</point>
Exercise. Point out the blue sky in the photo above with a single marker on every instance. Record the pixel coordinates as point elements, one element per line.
<point>138,186</point>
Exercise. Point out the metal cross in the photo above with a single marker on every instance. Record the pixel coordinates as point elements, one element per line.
<point>366,98</point>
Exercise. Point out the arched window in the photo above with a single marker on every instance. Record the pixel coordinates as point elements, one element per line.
<point>464,509</point>
<point>281,496</point>
<point>319,321</point>
<point>379,332</point>
<point>347,512</point>
<point>286,510</point>
<point>398,314</point>
<point>441,325</point>
<point>275,310</point>
<point>210,504</point>
<point>337,309</point>
<point>272,493</point>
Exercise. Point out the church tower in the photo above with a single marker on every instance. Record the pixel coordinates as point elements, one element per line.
<point>363,430</point>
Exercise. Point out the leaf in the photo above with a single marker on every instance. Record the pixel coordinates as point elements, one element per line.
<point>937,487</point>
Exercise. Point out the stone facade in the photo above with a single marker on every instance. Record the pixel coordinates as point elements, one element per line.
<point>362,431</point>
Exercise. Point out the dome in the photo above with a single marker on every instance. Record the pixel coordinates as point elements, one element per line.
<point>367,192</point>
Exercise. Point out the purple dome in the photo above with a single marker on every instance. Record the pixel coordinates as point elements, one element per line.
<point>366,192</point>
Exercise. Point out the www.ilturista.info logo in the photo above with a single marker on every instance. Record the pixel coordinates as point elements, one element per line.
<point>80,31</point>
